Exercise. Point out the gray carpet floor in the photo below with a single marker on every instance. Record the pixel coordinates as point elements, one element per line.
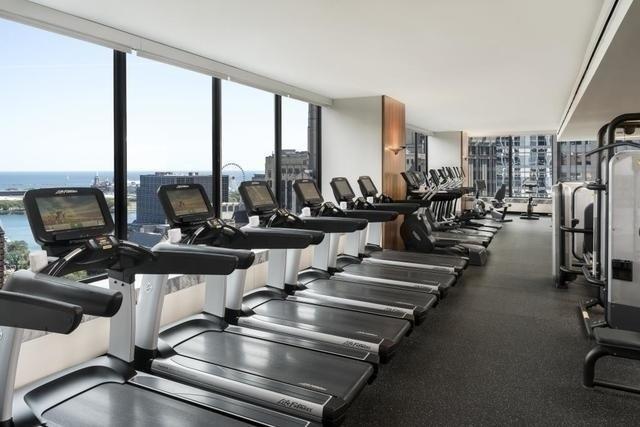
<point>505,347</point>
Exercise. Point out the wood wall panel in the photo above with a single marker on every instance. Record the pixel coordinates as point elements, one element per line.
<point>393,136</point>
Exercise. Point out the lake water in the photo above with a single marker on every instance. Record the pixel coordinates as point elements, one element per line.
<point>16,227</point>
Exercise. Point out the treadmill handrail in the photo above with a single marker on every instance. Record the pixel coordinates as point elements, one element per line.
<point>38,313</point>
<point>334,224</point>
<point>93,300</point>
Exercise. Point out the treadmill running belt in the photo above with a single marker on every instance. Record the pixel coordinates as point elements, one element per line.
<point>340,377</point>
<point>117,405</point>
<point>362,326</point>
<point>420,258</point>
<point>416,275</point>
<point>371,293</point>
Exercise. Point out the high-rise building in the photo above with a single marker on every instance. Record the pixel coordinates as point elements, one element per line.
<point>148,207</point>
<point>295,165</point>
<point>225,188</point>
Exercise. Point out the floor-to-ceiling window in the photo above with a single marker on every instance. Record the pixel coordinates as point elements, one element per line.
<point>169,139</point>
<point>56,123</point>
<point>573,164</point>
<point>489,161</point>
<point>416,150</point>
<point>247,142</point>
<point>523,163</point>
<point>299,148</point>
<point>531,165</point>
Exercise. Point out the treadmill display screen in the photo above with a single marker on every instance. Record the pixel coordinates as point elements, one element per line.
<point>65,213</point>
<point>309,191</point>
<point>344,189</point>
<point>368,186</point>
<point>187,202</point>
<point>260,196</point>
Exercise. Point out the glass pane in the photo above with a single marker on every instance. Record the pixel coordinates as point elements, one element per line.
<point>169,139</point>
<point>247,142</point>
<point>298,148</point>
<point>56,123</point>
<point>410,152</point>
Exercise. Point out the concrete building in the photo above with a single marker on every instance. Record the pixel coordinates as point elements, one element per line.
<point>295,165</point>
<point>148,207</point>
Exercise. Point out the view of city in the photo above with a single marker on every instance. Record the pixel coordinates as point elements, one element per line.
<point>56,117</point>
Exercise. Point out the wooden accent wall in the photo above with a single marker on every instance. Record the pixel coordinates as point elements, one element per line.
<point>393,136</point>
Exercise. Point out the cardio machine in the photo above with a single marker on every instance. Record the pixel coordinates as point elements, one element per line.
<point>289,363</point>
<point>278,305</point>
<point>74,226</point>
<point>370,249</point>
<point>260,201</point>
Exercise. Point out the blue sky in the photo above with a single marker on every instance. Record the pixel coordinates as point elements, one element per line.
<point>56,110</point>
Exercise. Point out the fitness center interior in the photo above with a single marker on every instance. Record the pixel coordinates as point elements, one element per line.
<point>288,213</point>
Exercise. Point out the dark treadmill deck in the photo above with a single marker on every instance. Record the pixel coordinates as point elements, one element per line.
<point>116,405</point>
<point>372,293</point>
<point>504,348</point>
<point>328,374</point>
<point>362,326</point>
<point>456,263</point>
<point>425,277</point>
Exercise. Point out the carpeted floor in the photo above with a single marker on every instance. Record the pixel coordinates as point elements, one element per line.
<point>505,347</point>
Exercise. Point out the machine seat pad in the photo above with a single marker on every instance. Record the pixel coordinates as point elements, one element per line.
<point>629,340</point>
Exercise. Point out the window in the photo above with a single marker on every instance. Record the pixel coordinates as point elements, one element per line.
<point>169,138</point>
<point>298,147</point>
<point>531,165</point>
<point>56,123</point>
<point>416,150</point>
<point>523,163</point>
<point>247,143</point>
<point>574,165</point>
<point>489,161</point>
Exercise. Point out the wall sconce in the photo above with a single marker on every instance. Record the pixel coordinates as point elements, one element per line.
<point>396,150</point>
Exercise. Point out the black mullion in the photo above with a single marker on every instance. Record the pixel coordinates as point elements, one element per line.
<point>120,143</point>
<point>426,152</point>
<point>277,154</point>
<point>415,152</point>
<point>216,140</point>
<point>510,140</point>
<point>318,142</point>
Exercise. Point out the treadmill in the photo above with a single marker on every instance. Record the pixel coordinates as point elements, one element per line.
<point>75,225</point>
<point>470,217</point>
<point>260,201</point>
<point>429,195</point>
<point>372,251</point>
<point>215,351</point>
<point>445,196</point>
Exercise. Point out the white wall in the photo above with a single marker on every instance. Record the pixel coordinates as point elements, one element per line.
<point>444,149</point>
<point>352,142</point>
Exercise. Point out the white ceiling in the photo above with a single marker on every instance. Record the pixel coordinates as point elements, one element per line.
<point>612,88</point>
<point>478,65</point>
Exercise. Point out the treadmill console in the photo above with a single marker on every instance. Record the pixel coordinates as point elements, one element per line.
<point>258,197</point>
<point>185,204</point>
<point>65,216</point>
<point>367,187</point>
<point>342,190</point>
<point>307,191</point>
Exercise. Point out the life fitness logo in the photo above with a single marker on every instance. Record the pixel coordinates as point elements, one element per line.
<point>294,405</point>
<point>66,191</point>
